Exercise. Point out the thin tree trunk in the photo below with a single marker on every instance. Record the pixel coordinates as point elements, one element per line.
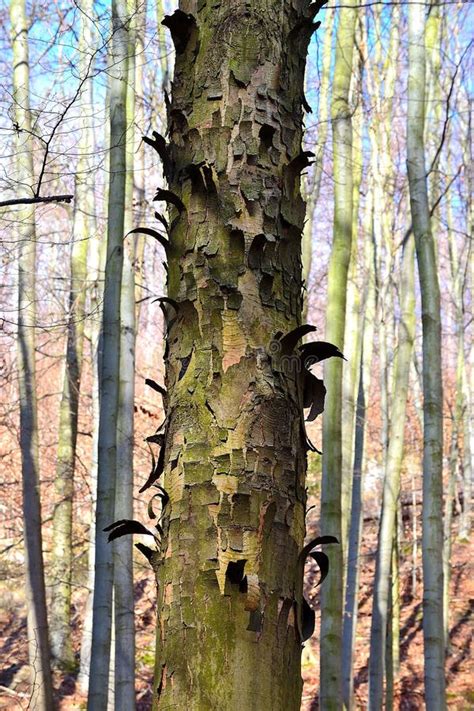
<point>164,59</point>
<point>61,571</point>
<point>37,625</point>
<point>234,443</point>
<point>458,418</point>
<point>314,186</point>
<point>331,594</point>
<point>432,535</point>
<point>448,518</point>
<point>109,370</point>
<point>323,117</point>
<point>96,271</point>
<point>124,686</point>
<point>392,651</point>
<point>391,488</point>
<point>95,277</point>
<point>355,528</point>
<point>352,331</point>
<point>465,523</point>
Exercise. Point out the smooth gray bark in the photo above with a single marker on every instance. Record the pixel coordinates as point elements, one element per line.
<point>331,593</point>
<point>124,686</point>
<point>432,534</point>
<point>41,690</point>
<point>109,367</point>
<point>391,488</point>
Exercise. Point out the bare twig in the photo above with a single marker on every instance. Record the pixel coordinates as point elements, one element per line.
<point>33,200</point>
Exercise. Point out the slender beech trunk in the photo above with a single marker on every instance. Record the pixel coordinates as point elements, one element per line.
<point>465,523</point>
<point>391,488</point>
<point>458,415</point>
<point>392,643</point>
<point>37,625</point>
<point>139,198</point>
<point>234,457</point>
<point>109,367</point>
<point>61,641</point>
<point>448,512</point>
<point>313,189</point>
<point>164,59</point>
<point>331,594</point>
<point>355,528</point>
<point>352,330</point>
<point>432,534</point>
<point>124,686</point>
<point>323,117</point>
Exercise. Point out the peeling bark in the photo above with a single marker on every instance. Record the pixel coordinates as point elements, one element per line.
<point>234,442</point>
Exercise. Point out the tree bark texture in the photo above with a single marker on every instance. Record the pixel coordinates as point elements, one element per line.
<point>234,442</point>
<point>41,691</point>
<point>432,533</point>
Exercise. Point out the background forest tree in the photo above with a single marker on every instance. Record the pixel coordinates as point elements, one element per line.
<point>388,228</point>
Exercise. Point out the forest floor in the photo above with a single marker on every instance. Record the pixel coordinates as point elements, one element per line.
<point>408,687</point>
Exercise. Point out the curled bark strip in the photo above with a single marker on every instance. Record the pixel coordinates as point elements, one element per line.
<point>307,621</point>
<point>167,300</point>
<point>151,233</point>
<point>311,446</point>
<point>306,106</point>
<point>323,564</point>
<point>156,471</point>
<point>147,552</point>
<point>316,351</point>
<point>169,197</point>
<point>156,438</point>
<point>288,342</point>
<point>125,527</point>
<point>161,218</point>
<point>314,393</point>
<point>305,614</point>
<point>180,25</point>
<point>299,163</point>
<point>155,386</point>
<point>318,541</point>
<point>315,7</point>
<point>158,142</point>
<point>161,494</point>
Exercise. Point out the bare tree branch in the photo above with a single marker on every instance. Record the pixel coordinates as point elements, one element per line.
<point>33,200</point>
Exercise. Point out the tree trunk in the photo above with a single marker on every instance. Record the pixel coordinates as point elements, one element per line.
<point>459,411</point>
<point>37,624</point>
<point>61,641</point>
<point>314,185</point>
<point>432,534</point>
<point>164,51</point>
<point>331,594</point>
<point>109,367</point>
<point>234,440</point>
<point>352,331</point>
<point>355,528</point>
<point>391,488</point>
<point>124,686</point>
